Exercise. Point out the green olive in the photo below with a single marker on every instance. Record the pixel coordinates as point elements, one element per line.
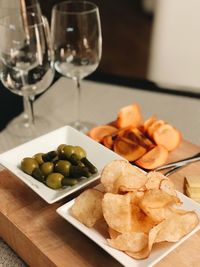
<point>63,167</point>
<point>60,150</point>
<point>68,151</point>
<point>80,152</point>
<point>47,168</point>
<point>38,175</point>
<point>69,182</point>
<point>28,165</point>
<point>75,161</point>
<point>50,156</point>
<point>54,180</point>
<point>92,169</point>
<point>78,172</point>
<point>39,158</point>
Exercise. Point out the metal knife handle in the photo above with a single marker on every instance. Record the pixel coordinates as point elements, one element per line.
<point>180,163</point>
<point>172,170</point>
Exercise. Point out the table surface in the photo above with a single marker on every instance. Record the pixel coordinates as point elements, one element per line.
<point>100,104</point>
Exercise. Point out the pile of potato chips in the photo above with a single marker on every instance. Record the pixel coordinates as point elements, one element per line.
<point>139,208</point>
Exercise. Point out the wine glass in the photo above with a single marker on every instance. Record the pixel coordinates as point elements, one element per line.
<point>10,8</point>
<point>26,57</point>
<point>77,44</point>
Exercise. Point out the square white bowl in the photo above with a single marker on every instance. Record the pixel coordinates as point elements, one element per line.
<point>96,153</point>
<point>158,252</point>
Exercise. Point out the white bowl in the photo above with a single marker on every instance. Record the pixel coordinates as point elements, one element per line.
<point>96,153</point>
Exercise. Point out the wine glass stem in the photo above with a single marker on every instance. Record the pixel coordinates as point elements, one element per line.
<point>78,85</point>
<point>25,109</point>
<point>31,101</point>
<point>28,106</point>
<point>28,101</point>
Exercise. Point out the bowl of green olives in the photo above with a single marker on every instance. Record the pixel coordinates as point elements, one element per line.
<point>60,168</point>
<point>58,163</point>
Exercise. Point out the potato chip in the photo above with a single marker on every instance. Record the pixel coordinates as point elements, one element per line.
<point>129,241</point>
<point>177,225</point>
<point>159,214</point>
<point>112,233</point>
<point>154,179</point>
<point>140,221</point>
<point>87,207</point>
<point>157,198</point>
<point>129,182</point>
<point>157,204</point>
<point>117,211</point>
<point>111,172</point>
<point>136,196</point>
<point>114,170</point>
<point>144,253</point>
<point>167,186</point>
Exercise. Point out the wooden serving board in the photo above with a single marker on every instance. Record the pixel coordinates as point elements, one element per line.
<point>42,238</point>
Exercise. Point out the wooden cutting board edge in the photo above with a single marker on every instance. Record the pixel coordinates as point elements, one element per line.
<point>21,244</point>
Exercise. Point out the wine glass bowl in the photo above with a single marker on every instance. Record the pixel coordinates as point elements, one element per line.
<point>9,8</point>
<point>77,43</point>
<point>26,61</point>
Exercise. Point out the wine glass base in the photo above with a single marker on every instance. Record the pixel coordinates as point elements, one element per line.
<point>82,126</point>
<point>20,128</point>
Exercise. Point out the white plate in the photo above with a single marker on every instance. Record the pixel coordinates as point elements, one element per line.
<point>96,153</point>
<point>158,252</point>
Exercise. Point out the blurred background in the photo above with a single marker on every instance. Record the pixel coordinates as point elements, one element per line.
<point>148,44</point>
<point>126,31</point>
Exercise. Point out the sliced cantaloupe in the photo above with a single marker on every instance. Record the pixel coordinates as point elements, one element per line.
<point>135,135</point>
<point>108,141</point>
<point>167,136</point>
<point>97,133</point>
<point>154,126</point>
<point>153,158</point>
<point>129,116</point>
<point>128,149</point>
<point>148,123</point>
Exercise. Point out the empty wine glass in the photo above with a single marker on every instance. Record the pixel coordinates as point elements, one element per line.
<point>11,8</point>
<point>77,43</point>
<point>25,55</point>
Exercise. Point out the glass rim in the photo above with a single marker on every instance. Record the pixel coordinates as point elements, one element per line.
<point>95,7</point>
<point>13,26</point>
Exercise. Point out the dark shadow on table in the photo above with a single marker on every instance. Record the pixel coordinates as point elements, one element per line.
<point>10,106</point>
